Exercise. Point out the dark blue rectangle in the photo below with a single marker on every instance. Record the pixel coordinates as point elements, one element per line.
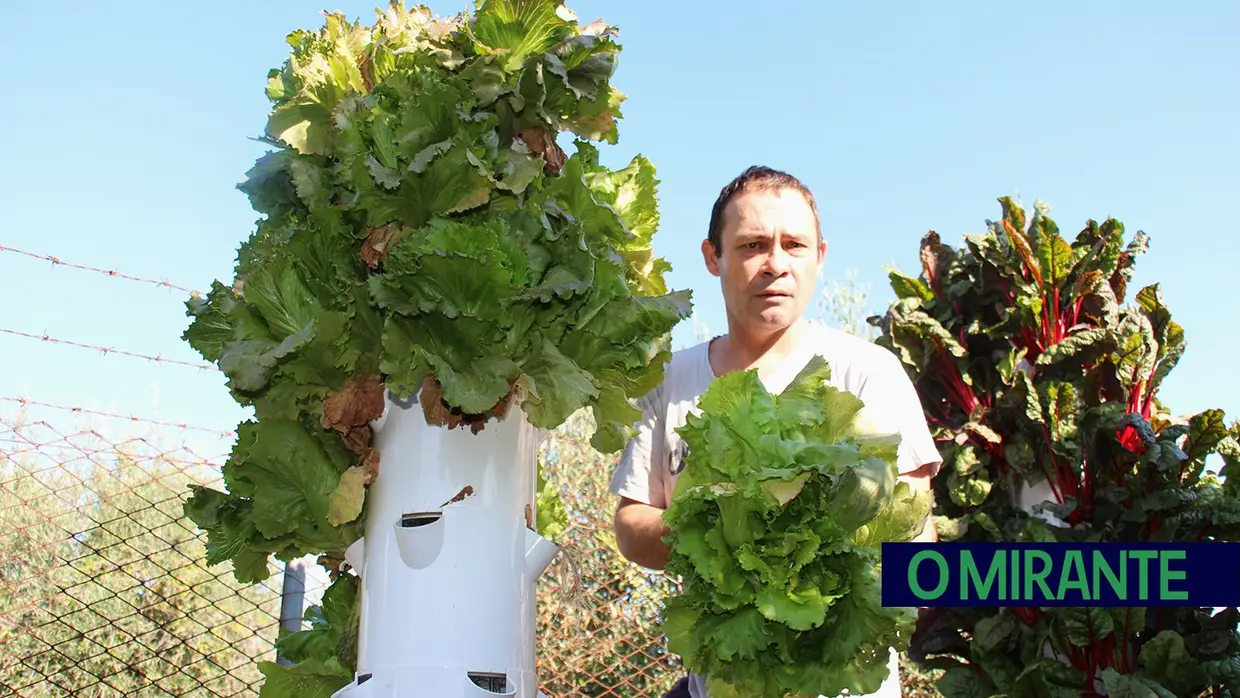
<point>1175,574</point>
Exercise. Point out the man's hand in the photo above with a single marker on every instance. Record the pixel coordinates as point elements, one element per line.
<point>919,481</point>
<point>639,533</point>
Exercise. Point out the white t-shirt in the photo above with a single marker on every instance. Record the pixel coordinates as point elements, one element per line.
<point>653,458</point>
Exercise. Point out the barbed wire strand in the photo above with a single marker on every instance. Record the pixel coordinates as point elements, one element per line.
<point>107,350</point>
<point>57,261</point>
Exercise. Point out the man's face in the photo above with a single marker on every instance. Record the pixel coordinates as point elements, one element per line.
<point>769,258</point>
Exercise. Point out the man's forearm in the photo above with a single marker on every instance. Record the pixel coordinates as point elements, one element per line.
<point>639,533</point>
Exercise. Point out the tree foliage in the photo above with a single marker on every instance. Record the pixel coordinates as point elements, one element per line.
<point>845,305</point>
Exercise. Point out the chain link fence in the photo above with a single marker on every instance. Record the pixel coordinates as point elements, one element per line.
<point>103,588</point>
<point>597,612</point>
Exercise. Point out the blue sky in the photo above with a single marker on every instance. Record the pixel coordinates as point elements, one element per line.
<point>126,127</point>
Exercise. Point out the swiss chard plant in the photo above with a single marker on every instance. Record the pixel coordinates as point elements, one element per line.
<point>423,232</point>
<point>778,521</point>
<point>1040,379</point>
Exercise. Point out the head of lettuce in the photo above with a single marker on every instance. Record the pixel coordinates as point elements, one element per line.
<point>778,520</point>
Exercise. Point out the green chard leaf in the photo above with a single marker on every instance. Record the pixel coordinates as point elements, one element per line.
<point>907,286</point>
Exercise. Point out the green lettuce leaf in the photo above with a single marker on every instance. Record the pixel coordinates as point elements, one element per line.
<point>330,624</point>
<point>551,519</point>
<point>312,678</point>
<point>280,478</point>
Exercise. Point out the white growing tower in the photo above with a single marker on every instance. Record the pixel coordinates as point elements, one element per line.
<point>449,561</point>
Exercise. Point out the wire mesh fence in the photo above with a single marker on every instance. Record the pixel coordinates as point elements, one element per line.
<point>104,589</point>
<point>597,611</point>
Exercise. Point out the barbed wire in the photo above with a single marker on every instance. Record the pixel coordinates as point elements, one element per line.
<point>106,350</point>
<point>106,272</point>
<point>564,439</point>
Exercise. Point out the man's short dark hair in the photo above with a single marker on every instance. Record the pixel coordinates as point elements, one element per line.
<point>755,178</point>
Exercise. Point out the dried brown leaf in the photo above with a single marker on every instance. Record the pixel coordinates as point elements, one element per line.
<point>370,461</point>
<point>357,439</point>
<point>466,492</point>
<point>350,410</point>
<point>439,413</point>
<point>542,143</point>
<point>379,242</point>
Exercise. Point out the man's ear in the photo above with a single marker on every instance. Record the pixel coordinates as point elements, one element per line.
<point>709,256</point>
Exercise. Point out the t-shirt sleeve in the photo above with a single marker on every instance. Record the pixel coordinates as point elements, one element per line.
<point>892,405</point>
<point>637,475</point>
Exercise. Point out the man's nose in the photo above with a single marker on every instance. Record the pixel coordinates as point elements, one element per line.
<point>777,262</point>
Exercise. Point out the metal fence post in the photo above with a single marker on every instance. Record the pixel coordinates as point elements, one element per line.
<point>292,600</point>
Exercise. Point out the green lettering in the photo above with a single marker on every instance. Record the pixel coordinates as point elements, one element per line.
<point>1166,575</point>
<point>1102,566</point>
<point>1015,575</point>
<point>1144,556</point>
<point>943,574</point>
<point>1038,578</point>
<point>970,573</point>
<point>1074,563</point>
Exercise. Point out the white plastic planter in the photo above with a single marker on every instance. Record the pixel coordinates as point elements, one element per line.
<point>1033,495</point>
<point>448,566</point>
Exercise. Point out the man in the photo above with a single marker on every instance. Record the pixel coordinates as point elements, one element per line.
<point>766,247</point>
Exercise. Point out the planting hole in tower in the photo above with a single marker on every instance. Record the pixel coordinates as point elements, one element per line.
<point>419,537</point>
<point>419,518</point>
<point>489,681</point>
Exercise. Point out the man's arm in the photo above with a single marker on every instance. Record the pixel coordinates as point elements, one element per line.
<point>639,533</point>
<point>638,483</point>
